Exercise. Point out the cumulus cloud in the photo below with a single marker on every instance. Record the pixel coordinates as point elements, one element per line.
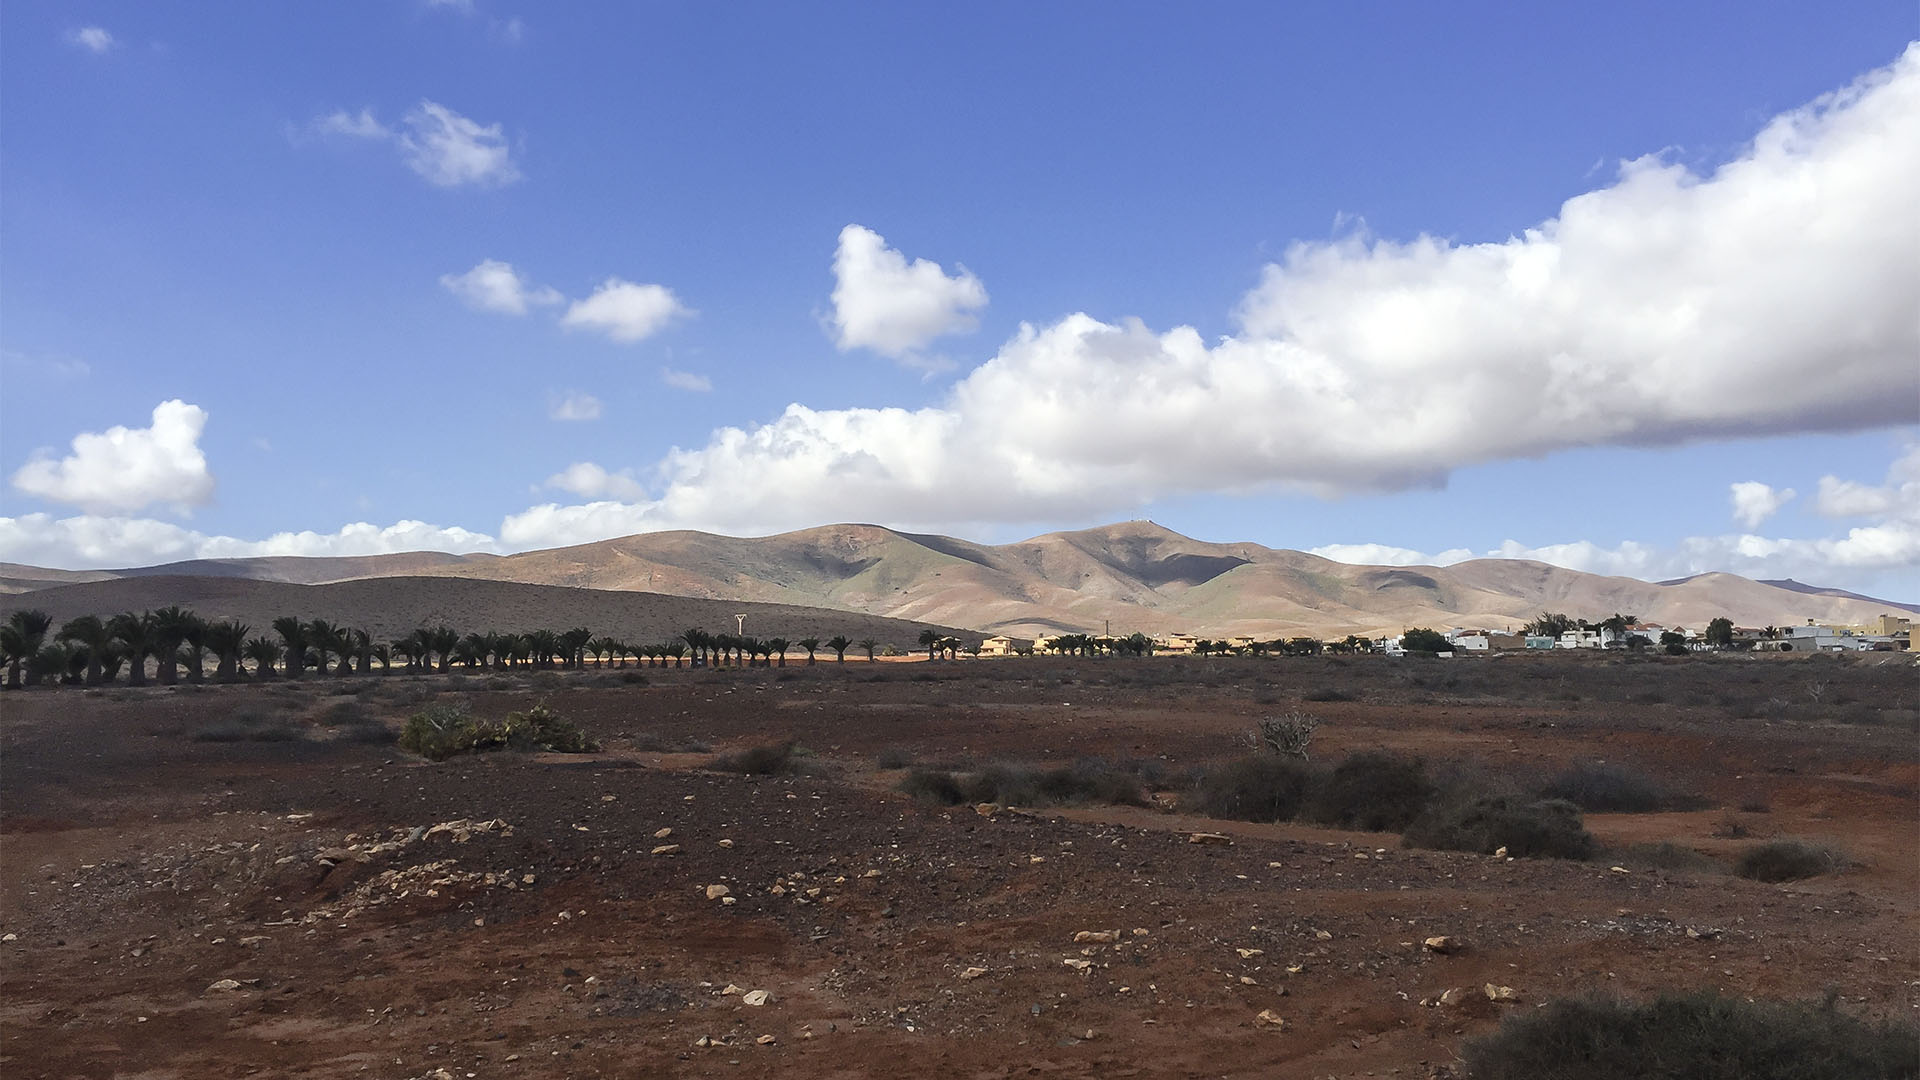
<point>1754,502</point>
<point>122,469</point>
<point>574,406</point>
<point>590,481</point>
<point>94,39</point>
<point>1899,496</point>
<point>1387,555</point>
<point>686,380</point>
<point>91,541</point>
<point>1771,296</point>
<point>895,307</point>
<point>625,311</point>
<point>496,286</point>
<point>443,147</point>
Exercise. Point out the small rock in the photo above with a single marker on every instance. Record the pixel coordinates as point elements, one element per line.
<point>733,991</point>
<point>666,849</point>
<point>1036,859</point>
<point>1441,944</point>
<point>715,892</point>
<point>1500,852</point>
<point>1454,996</point>
<point>1501,993</point>
<point>766,1040</point>
<point>1270,1019</point>
<point>1219,839</point>
<point>703,1041</point>
<point>10,937</point>
<point>1078,965</point>
<point>1322,935</point>
<point>224,986</point>
<point>1096,937</point>
<point>871,874</point>
<point>1248,954</point>
<point>662,834</point>
<point>1704,933</point>
<point>973,973</point>
<point>729,900</point>
<point>726,843</point>
<point>987,809</point>
<point>1619,870</point>
<point>755,998</point>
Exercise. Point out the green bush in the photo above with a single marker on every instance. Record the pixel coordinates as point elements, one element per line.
<point>1788,860</point>
<point>439,732</point>
<point>1606,788</point>
<point>1698,1036</point>
<point>1372,790</point>
<point>1526,828</point>
<point>1259,787</point>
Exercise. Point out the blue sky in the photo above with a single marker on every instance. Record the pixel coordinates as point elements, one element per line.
<point>489,277</point>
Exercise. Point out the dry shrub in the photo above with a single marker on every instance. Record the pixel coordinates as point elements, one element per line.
<point>767,759</point>
<point>1259,787</point>
<point>1372,790</point>
<point>1789,860</point>
<point>1607,788</point>
<point>1700,1036</point>
<point>1548,828</point>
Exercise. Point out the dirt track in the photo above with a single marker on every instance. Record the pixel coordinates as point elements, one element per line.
<point>142,867</point>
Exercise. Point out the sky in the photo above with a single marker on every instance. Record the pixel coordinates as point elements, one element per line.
<point>1630,288</point>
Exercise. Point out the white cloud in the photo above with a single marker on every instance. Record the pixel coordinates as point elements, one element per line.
<point>624,311</point>
<point>449,150</point>
<point>1899,496</point>
<point>1387,555</point>
<point>89,541</point>
<point>1773,296</point>
<point>590,481</point>
<point>1754,502</point>
<point>686,380</point>
<point>574,405</point>
<point>495,286</point>
<point>127,469</point>
<point>94,39</point>
<point>445,148</point>
<point>896,308</point>
<point>360,125</point>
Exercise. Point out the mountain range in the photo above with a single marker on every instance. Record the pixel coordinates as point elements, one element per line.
<point>1133,576</point>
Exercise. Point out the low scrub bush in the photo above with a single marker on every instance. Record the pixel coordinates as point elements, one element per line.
<point>439,732</point>
<point>1091,780</point>
<point>934,786</point>
<point>1700,1036</point>
<point>893,757</point>
<point>1667,855</point>
<point>1527,828</point>
<point>650,743</point>
<point>1372,790</point>
<point>1606,788</point>
<point>1788,860</point>
<point>1326,694</point>
<point>1258,787</point>
<point>769,759</point>
<point>248,726</point>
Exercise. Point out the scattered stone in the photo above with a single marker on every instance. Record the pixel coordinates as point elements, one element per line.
<point>729,901</point>
<point>755,998</point>
<point>1096,937</point>
<point>1619,870</point>
<point>871,874</point>
<point>662,834</point>
<point>1697,933</point>
<point>733,991</point>
<point>1078,965</point>
<point>666,849</point>
<point>1322,935</point>
<point>1500,852</point>
<point>1451,997</point>
<point>10,937</point>
<point>987,809</point>
<point>1269,1019</point>
<point>726,843</point>
<point>715,892</point>
<point>973,973</point>
<point>1248,954</point>
<point>224,986</point>
<point>1036,859</point>
<point>703,1041</point>
<point>1218,839</point>
<point>1141,931</point>
<point>766,1040</point>
<point>1442,944</point>
<point>1501,993</point>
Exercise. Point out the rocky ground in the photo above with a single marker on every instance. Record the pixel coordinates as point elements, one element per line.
<point>328,906</point>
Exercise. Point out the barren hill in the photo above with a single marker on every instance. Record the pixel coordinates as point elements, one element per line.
<point>391,606</point>
<point>1130,576</point>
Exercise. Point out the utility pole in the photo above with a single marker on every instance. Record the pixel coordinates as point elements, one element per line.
<point>740,625</point>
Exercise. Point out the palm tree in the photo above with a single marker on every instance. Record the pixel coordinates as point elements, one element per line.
<point>952,646</point>
<point>25,632</point>
<point>324,638</point>
<point>573,645</point>
<point>809,644</point>
<point>696,644</point>
<point>168,629</point>
<point>869,645</point>
<point>293,638</point>
<point>227,639</point>
<point>193,639</point>
<point>134,633</point>
<point>778,649</point>
<point>264,652</point>
<point>840,643</point>
<point>676,650</point>
<point>355,644</point>
<point>91,632</point>
<point>443,639</point>
<point>56,660</point>
<point>930,639</point>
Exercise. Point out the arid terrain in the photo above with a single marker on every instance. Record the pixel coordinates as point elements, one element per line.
<point>1122,578</point>
<point>309,900</point>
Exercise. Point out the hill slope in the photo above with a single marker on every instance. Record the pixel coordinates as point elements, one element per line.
<point>1130,576</point>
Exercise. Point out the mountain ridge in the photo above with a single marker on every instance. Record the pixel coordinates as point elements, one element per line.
<point>1132,576</point>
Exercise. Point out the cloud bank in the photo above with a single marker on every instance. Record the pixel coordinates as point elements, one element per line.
<point>441,146</point>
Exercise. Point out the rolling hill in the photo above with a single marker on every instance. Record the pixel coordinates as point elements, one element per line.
<point>1130,576</point>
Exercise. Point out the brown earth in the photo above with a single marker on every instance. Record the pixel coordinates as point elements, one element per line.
<point>142,866</point>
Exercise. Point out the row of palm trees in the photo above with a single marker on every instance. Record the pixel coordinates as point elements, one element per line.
<point>91,651</point>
